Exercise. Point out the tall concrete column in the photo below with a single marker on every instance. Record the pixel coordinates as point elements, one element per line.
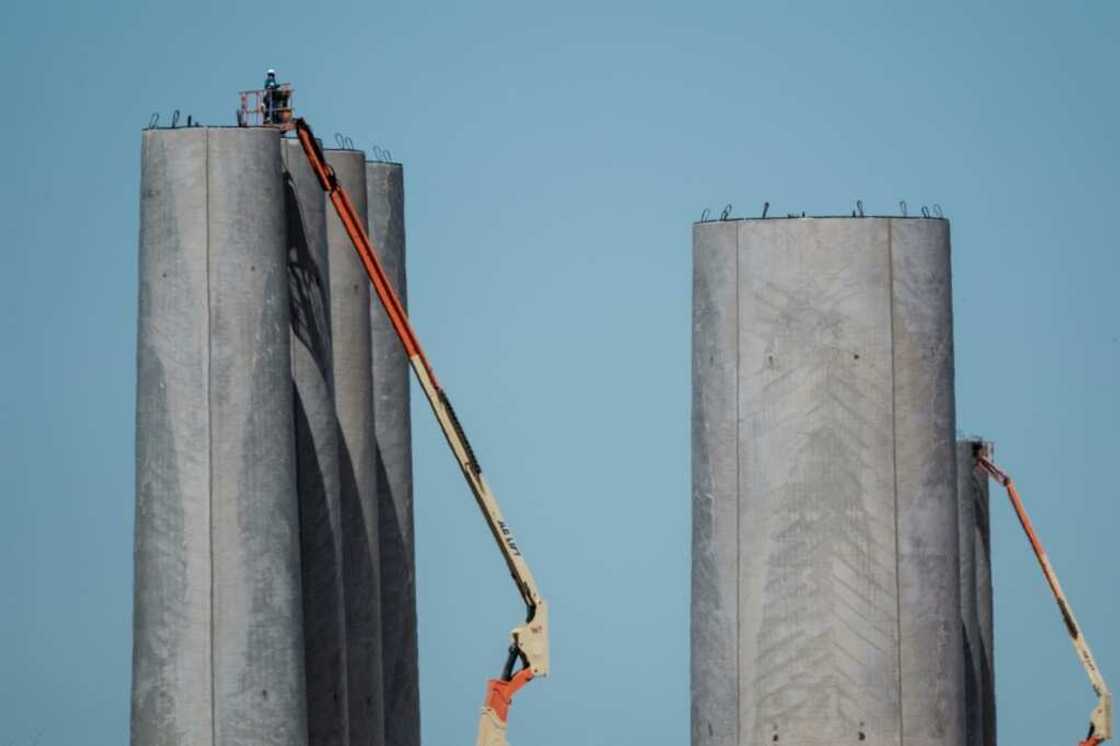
<point>317,449</point>
<point>976,594</point>
<point>983,559</point>
<point>172,675</point>
<point>825,578</point>
<point>353,381</point>
<point>714,662</point>
<point>925,455</point>
<point>393,429</point>
<point>218,637</point>
<point>970,620</point>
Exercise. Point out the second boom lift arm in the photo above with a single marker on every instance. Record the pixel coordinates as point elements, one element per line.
<point>1100,720</point>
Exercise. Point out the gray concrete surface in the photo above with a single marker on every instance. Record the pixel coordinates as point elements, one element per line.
<point>317,449</point>
<point>218,651</point>
<point>171,665</point>
<point>259,690</point>
<point>932,670</point>
<point>983,557</point>
<point>814,341</point>
<point>393,431</point>
<point>715,474</point>
<point>969,482</point>
<point>353,383</point>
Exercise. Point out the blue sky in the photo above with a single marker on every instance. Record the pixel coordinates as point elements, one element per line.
<point>555,157</point>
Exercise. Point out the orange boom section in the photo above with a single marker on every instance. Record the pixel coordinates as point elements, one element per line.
<point>352,223</point>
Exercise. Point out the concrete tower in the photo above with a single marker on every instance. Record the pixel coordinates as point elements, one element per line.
<point>317,451</point>
<point>976,595</point>
<point>393,429</point>
<point>353,385</point>
<point>825,584</point>
<point>218,623</point>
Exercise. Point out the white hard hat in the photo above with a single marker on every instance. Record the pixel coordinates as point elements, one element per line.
<point>271,71</point>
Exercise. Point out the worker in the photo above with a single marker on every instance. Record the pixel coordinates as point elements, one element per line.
<point>270,86</point>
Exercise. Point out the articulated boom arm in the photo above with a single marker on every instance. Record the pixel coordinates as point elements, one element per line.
<point>1100,721</point>
<point>529,640</point>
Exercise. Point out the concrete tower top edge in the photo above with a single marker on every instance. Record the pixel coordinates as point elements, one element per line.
<point>182,135</point>
<point>201,127</point>
<point>348,154</point>
<point>787,218</point>
<point>293,141</point>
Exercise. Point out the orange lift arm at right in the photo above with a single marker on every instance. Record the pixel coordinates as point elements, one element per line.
<point>529,640</point>
<point>1100,721</point>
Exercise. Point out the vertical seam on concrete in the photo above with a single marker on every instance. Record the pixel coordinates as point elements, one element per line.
<point>894,471</point>
<point>210,443</point>
<point>738,503</point>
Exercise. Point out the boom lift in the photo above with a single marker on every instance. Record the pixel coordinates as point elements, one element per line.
<point>529,641</point>
<point>1100,720</point>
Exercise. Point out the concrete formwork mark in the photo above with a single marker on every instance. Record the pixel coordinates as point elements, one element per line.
<point>393,432</point>
<point>214,430</point>
<point>358,492</point>
<point>819,629</point>
<point>317,449</point>
<point>831,341</point>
